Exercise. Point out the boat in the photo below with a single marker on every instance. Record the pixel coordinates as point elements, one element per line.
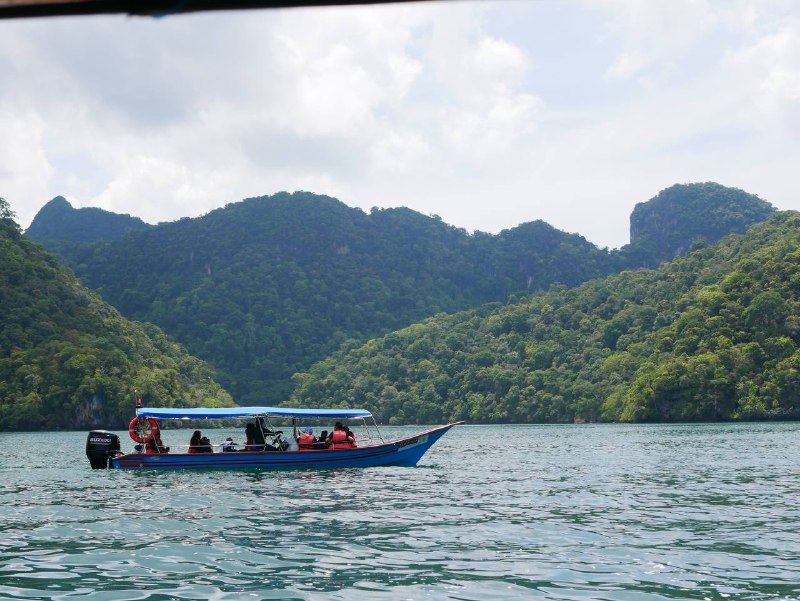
<point>273,450</point>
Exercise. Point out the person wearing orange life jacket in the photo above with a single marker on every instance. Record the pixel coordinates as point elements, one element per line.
<point>339,438</point>
<point>306,438</point>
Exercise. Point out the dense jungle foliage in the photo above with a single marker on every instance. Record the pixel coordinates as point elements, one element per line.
<point>264,288</point>
<point>68,360</point>
<point>712,336</point>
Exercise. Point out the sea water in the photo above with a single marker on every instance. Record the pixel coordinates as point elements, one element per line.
<point>522,512</point>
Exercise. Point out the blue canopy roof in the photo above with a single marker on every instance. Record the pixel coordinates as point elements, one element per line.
<point>234,412</point>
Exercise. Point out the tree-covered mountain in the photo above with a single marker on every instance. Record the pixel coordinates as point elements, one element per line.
<point>58,222</point>
<point>69,360</point>
<point>666,226</point>
<point>266,287</point>
<point>711,336</point>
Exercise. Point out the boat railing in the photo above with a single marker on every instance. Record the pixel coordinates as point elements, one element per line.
<point>368,431</point>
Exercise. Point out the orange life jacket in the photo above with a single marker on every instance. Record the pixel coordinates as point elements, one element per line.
<point>340,440</point>
<point>305,440</point>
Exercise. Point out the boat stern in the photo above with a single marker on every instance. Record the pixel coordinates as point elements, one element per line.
<point>101,447</point>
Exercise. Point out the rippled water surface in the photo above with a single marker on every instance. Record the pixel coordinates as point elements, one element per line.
<point>523,512</point>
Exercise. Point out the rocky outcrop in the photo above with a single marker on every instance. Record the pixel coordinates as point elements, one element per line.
<point>667,225</point>
<point>91,413</point>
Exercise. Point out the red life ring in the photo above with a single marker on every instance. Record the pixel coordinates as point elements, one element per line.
<point>142,428</point>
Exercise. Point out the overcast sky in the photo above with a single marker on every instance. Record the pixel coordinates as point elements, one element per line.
<point>488,114</point>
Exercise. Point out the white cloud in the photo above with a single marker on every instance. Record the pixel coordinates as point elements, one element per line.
<point>398,150</point>
<point>486,113</point>
<point>499,63</point>
<point>769,70</point>
<point>340,72</point>
<point>24,167</point>
<point>484,130</point>
<point>150,180</point>
<point>484,108</point>
<point>626,65</point>
<point>652,36</point>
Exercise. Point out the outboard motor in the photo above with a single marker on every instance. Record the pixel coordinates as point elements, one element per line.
<point>100,447</point>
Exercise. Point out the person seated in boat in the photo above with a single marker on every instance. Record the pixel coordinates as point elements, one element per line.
<point>322,441</point>
<point>259,429</point>
<point>205,445</point>
<point>306,438</point>
<point>248,436</point>
<point>350,436</point>
<point>339,438</point>
<point>194,442</point>
<point>254,438</point>
<point>199,443</point>
<point>228,446</point>
<point>153,444</point>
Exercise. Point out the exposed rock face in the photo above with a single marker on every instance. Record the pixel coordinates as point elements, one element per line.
<point>91,413</point>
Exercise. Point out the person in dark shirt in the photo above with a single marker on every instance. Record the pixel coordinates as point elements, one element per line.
<point>258,435</point>
<point>199,443</point>
<point>194,442</point>
<point>205,446</point>
<point>249,435</point>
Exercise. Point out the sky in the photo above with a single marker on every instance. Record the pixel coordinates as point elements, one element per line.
<point>486,113</point>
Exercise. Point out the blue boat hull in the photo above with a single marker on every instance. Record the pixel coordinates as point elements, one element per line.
<point>406,452</point>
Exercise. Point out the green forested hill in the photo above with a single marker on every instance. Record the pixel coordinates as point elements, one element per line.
<point>68,360</point>
<point>58,222</point>
<point>265,287</point>
<point>710,336</point>
<point>665,226</point>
